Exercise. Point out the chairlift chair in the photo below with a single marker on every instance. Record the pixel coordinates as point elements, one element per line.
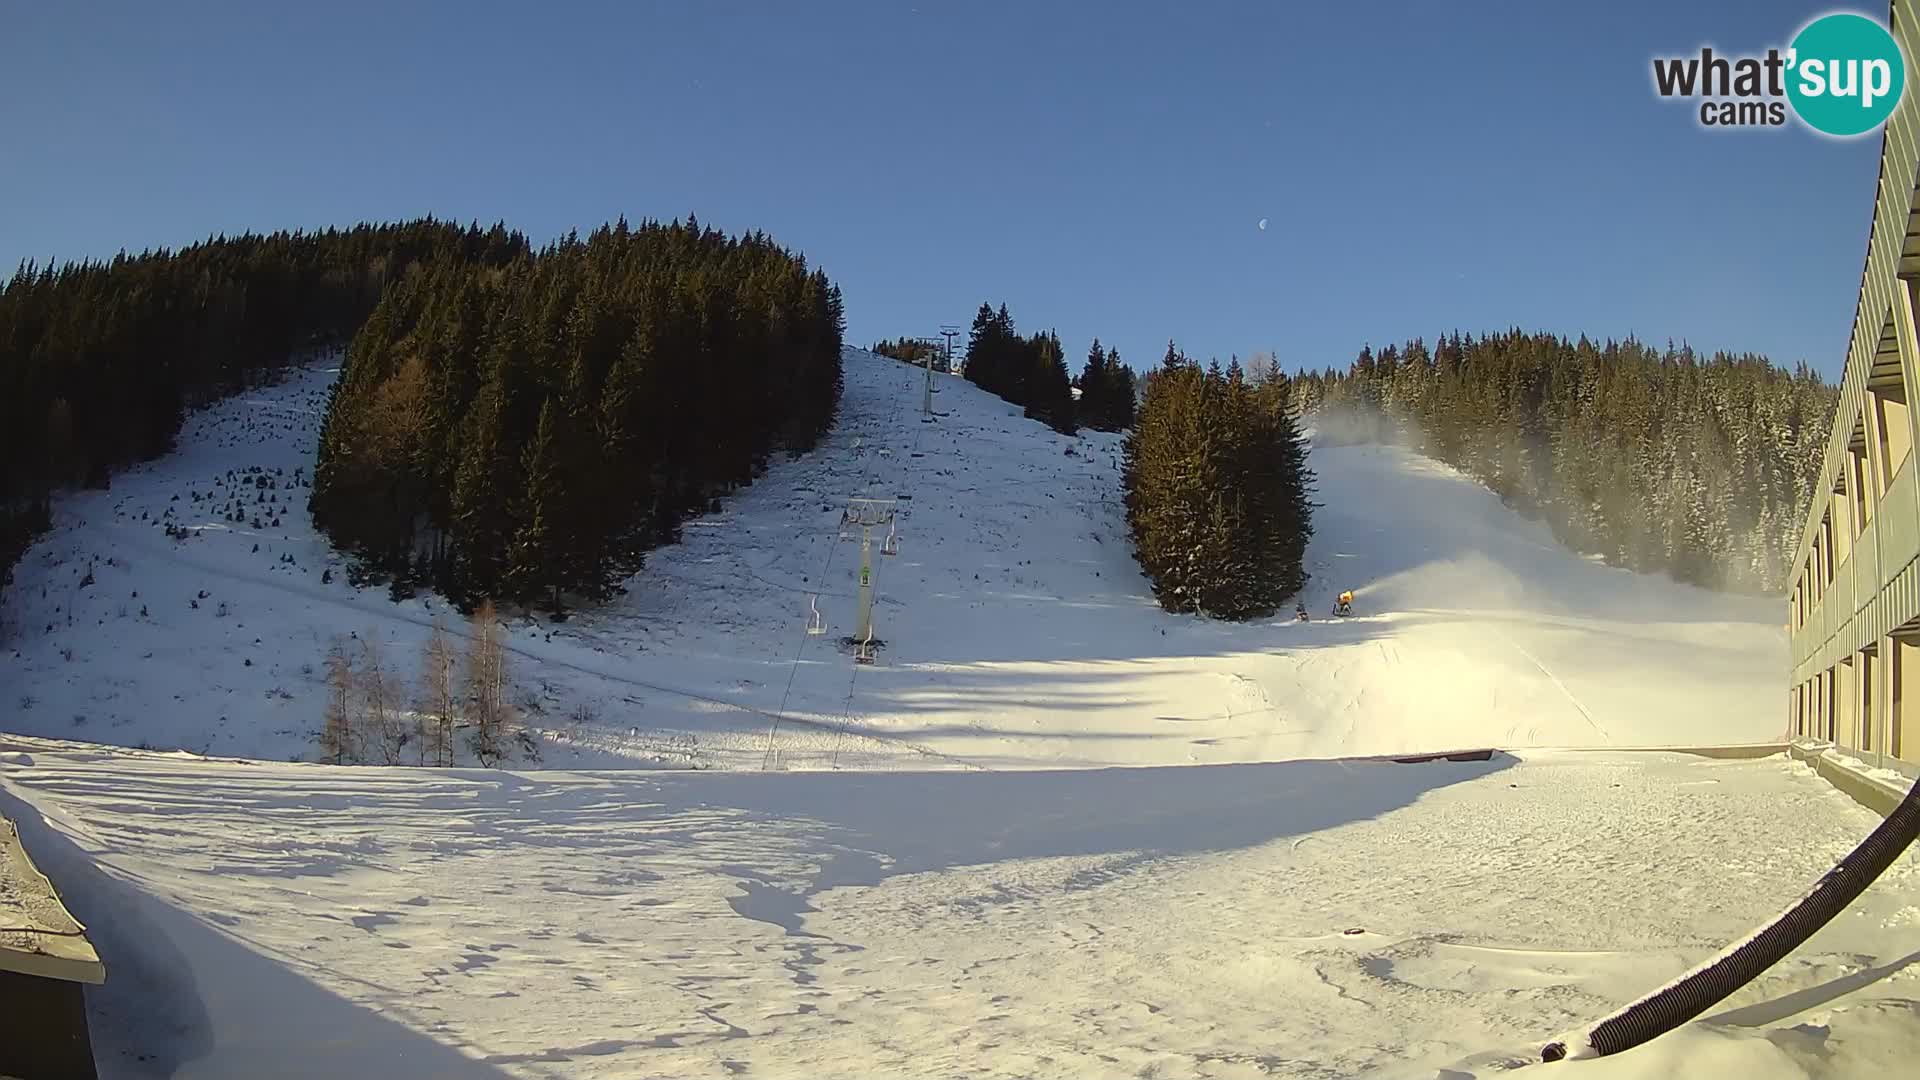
<point>816,623</point>
<point>892,546</point>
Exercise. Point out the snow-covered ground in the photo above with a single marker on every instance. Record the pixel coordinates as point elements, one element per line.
<point>1018,631</point>
<point>1310,919</point>
<point>993,882</point>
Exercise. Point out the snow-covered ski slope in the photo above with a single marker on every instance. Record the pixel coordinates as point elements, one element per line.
<point>988,909</point>
<point>1018,631</point>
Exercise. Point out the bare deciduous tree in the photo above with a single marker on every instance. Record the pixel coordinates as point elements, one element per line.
<point>487,686</point>
<point>437,702</point>
<point>382,715</point>
<point>1262,368</point>
<point>338,740</point>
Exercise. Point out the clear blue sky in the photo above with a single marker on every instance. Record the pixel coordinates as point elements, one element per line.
<point>1099,166</point>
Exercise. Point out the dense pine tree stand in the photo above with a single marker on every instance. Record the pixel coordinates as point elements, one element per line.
<point>525,433</point>
<point>1030,372</point>
<point>100,361</point>
<point>1106,390</point>
<point>508,423</point>
<point>1217,490</point>
<point>1656,460</point>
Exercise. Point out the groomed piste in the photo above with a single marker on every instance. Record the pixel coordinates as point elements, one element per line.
<point>748,855</point>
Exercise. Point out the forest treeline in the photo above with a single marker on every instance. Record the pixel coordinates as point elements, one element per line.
<point>1031,372</point>
<point>912,351</point>
<point>1218,490</point>
<point>1659,460</point>
<point>526,432</point>
<point>1109,394</point>
<point>99,360</point>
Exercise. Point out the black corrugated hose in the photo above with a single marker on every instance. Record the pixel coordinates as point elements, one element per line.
<point>1698,990</point>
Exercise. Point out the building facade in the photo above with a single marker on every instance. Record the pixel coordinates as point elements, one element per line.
<point>1853,608</point>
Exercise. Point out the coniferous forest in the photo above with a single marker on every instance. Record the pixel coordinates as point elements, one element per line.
<point>1107,391</point>
<point>100,360</point>
<point>527,431</point>
<point>1028,371</point>
<point>1218,489</point>
<point>1657,460</point>
<point>911,351</point>
<point>511,424</point>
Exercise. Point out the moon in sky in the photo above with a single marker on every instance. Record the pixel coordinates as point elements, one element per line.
<point>1263,225</point>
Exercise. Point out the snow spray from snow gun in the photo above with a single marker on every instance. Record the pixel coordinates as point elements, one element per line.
<point>1698,990</point>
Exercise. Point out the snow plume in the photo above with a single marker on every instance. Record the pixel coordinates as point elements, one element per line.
<point>1468,581</point>
<point>1354,425</point>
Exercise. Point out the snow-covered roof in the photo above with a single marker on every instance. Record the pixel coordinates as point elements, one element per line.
<point>38,936</point>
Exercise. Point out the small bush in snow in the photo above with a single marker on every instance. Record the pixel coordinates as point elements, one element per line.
<point>529,744</point>
<point>580,716</point>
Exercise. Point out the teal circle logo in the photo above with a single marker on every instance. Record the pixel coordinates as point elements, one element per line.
<point>1845,74</point>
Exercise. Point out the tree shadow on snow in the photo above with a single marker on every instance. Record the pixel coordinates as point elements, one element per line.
<point>204,1005</point>
<point>871,825</point>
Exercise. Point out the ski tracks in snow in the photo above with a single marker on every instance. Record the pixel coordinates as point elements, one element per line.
<point>1532,732</point>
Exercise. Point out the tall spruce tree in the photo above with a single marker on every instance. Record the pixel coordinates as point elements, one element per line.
<point>1095,384</point>
<point>1217,490</point>
<point>1049,395</point>
<point>540,558</point>
<point>1121,393</point>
